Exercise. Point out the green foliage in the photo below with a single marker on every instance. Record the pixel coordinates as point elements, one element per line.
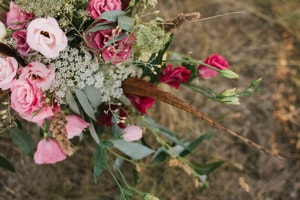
<point>100,161</point>
<point>23,140</point>
<point>6,165</point>
<point>134,150</point>
<point>85,103</point>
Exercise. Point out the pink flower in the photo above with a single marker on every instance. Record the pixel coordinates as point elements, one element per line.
<point>38,73</point>
<point>48,152</point>
<point>8,71</point>
<point>214,60</point>
<point>96,7</point>
<point>116,52</point>
<point>17,19</point>
<point>132,133</point>
<point>45,36</point>
<point>22,46</point>
<point>174,77</point>
<point>141,103</point>
<point>26,99</point>
<point>75,125</point>
<point>119,52</point>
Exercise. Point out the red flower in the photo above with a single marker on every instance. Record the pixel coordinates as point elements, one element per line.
<point>214,60</point>
<point>107,115</point>
<point>174,77</point>
<point>141,103</point>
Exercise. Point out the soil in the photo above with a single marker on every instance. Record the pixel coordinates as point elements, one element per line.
<point>261,41</point>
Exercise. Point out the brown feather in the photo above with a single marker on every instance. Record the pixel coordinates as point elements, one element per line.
<point>8,50</point>
<point>136,86</point>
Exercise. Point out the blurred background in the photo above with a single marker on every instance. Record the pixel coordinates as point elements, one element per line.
<point>262,41</point>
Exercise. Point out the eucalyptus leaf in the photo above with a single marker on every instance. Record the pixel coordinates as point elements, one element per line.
<point>101,26</point>
<point>93,133</point>
<point>112,15</point>
<point>194,144</point>
<point>6,165</point>
<point>23,140</point>
<point>204,169</point>
<point>94,96</point>
<point>126,23</point>
<point>72,102</point>
<point>100,161</point>
<point>132,149</point>
<point>85,103</point>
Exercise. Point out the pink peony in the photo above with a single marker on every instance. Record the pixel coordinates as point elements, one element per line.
<point>117,52</point>
<point>174,77</point>
<point>96,7</point>
<point>26,99</point>
<point>48,152</point>
<point>141,103</point>
<point>8,71</point>
<point>75,125</point>
<point>45,36</point>
<point>17,19</point>
<point>38,73</point>
<point>22,46</point>
<point>214,60</point>
<point>132,133</point>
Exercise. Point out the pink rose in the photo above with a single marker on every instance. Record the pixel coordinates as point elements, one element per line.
<point>38,73</point>
<point>141,103</point>
<point>214,60</point>
<point>26,99</point>
<point>116,52</point>
<point>96,7</point>
<point>75,125</point>
<point>45,36</point>
<point>22,46</point>
<point>8,71</point>
<point>17,19</point>
<point>174,77</point>
<point>132,133</point>
<point>48,152</point>
<point>119,51</point>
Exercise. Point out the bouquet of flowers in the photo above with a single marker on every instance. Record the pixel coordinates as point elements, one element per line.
<point>91,68</point>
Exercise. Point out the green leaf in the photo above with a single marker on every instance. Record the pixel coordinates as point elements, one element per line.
<point>159,156</point>
<point>23,140</point>
<point>134,150</point>
<point>94,96</point>
<point>204,169</point>
<point>194,144</point>
<point>112,15</point>
<point>85,104</point>
<point>72,102</point>
<point>126,23</point>
<point>113,40</point>
<point>100,159</point>
<point>93,132</point>
<point>101,26</point>
<point>6,165</point>
<point>156,59</point>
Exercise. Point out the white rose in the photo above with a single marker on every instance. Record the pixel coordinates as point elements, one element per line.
<point>2,31</point>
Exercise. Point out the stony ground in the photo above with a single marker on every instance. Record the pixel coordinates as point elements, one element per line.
<point>262,42</point>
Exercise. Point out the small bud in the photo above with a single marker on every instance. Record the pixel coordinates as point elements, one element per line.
<point>228,92</point>
<point>150,197</point>
<point>234,100</point>
<point>228,73</point>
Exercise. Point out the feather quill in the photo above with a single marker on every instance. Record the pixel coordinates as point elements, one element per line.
<point>8,50</point>
<point>136,86</point>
